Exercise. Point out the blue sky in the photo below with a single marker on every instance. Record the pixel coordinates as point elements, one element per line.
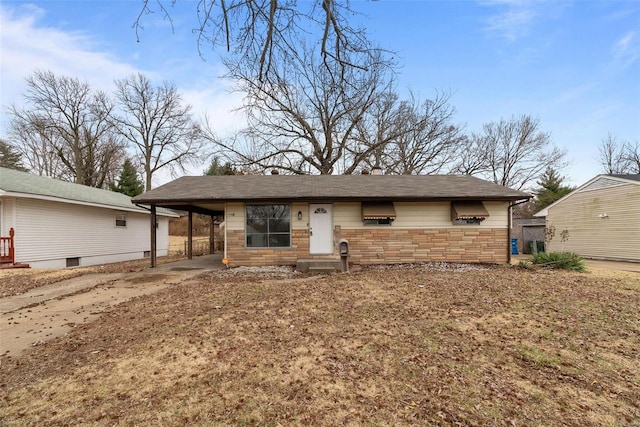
<point>573,64</point>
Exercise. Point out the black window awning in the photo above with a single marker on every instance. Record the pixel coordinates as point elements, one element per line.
<point>468,210</point>
<point>378,210</point>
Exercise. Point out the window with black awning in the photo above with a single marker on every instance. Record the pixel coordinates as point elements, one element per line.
<point>468,210</point>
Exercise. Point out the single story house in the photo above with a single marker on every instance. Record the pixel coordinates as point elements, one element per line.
<point>59,224</point>
<point>598,220</point>
<point>282,219</point>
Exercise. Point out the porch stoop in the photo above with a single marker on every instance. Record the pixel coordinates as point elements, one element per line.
<point>319,265</point>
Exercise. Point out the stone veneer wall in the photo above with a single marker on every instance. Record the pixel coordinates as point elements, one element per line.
<point>385,246</point>
<point>239,255</point>
<point>389,245</point>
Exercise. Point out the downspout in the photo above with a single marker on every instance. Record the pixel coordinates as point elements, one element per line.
<point>509,224</point>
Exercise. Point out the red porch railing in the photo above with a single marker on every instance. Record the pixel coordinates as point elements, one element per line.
<point>7,251</point>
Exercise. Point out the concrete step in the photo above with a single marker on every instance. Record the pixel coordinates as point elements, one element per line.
<point>321,270</point>
<point>331,264</point>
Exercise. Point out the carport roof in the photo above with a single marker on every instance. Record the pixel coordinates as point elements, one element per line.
<point>201,189</point>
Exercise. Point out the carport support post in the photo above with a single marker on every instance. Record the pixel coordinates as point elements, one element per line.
<point>509,232</point>
<point>212,248</point>
<point>190,237</point>
<point>510,224</point>
<point>153,235</point>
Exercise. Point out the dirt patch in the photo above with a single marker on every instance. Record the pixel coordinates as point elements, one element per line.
<point>149,278</point>
<point>405,346</point>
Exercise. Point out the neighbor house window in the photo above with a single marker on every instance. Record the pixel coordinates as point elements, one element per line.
<point>73,262</point>
<point>268,226</point>
<point>121,220</point>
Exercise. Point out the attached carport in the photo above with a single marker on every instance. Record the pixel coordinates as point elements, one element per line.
<point>176,197</point>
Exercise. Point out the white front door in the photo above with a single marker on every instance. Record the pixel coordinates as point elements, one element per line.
<point>320,228</point>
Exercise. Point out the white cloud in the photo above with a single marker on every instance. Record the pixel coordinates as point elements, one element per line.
<point>574,94</point>
<point>28,46</point>
<point>513,18</point>
<point>626,50</point>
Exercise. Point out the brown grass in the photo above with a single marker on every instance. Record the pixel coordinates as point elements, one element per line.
<point>378,347</point>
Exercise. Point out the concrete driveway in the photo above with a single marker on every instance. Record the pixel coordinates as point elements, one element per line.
<point>31,318</point>
<point>614,265</point>
<point>593,263</point>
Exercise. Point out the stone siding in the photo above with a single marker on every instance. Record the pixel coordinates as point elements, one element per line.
<point>239,255</point>
<point>384,246</point>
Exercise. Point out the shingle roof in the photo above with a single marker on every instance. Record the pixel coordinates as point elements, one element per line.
<point>21,183</point>
<point>630,176</point>
<point>192,189</point>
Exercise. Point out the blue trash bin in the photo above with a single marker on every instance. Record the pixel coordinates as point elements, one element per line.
<point>514,246</point>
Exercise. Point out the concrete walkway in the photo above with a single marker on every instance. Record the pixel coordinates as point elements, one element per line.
<point>595,263</point>
<point>614,265</point>
<point>31,318</point>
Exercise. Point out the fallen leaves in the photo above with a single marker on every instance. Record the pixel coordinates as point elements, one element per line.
<point>409,345</point>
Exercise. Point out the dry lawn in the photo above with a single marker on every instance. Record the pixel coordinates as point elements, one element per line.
<point>377,347</point>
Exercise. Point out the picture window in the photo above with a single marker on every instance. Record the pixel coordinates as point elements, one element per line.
<point>268,226</point>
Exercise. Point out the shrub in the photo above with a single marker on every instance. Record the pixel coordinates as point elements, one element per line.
<point>561,260</point>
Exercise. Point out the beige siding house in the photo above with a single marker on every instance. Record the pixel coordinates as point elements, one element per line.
<point>280,220</point>
<point>59,224</point>
<point>599,220</point>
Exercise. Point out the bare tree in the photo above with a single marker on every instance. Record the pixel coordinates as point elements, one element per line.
<point>157,123</point>
<point>303,118</point>
<point>64,130</point>
<point>37,146</point>
<point>612,156</point>
<point>513,153</point>
<point>417,138</point>
<point>267,29</point>
<point>632,156</point>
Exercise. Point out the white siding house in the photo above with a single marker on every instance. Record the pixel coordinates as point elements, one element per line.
<point>599,220</point>
<point>59,224</point>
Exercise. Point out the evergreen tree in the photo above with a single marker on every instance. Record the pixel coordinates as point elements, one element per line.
<point>10,157</point>
<point>217,168</point>
<point>551,189</point>
<point>128,182</point>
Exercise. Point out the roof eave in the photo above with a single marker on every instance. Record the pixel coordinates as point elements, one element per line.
<point>77,202</point>
<point>161,201</point>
